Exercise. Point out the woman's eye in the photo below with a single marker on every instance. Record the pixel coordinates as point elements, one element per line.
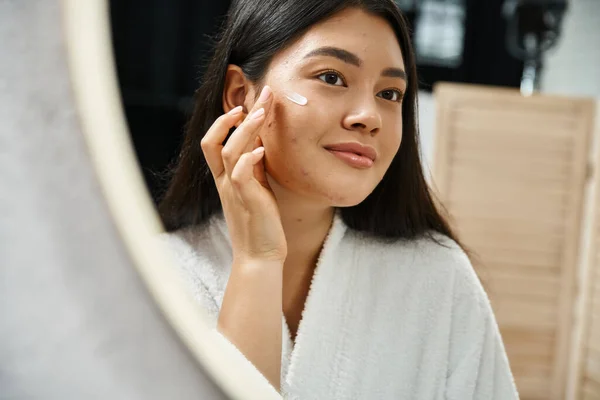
<point>332,78</point>
<point>391,94</point>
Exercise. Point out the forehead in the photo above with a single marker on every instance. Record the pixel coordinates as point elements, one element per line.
<point>370,37</point>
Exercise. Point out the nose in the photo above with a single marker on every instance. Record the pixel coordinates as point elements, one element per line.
<point>365,118</point>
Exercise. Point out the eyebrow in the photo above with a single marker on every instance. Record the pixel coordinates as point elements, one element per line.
<point>394,73</point>
<point>338,53</point>
<point>353,59</point>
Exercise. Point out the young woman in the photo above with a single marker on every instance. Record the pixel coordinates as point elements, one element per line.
<point>301,219</point>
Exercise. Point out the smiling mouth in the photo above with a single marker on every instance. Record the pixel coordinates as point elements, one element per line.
<point>355,154</point>
<point>353,159</point>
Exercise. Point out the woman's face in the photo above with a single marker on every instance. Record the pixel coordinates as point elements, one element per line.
<point>350,68</point>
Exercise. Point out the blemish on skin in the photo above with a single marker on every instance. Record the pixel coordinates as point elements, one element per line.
<point>294,140</point>
<point>304,172</point>
<point>299,220</point>
<point>270,123</point>
<point>335,199</point>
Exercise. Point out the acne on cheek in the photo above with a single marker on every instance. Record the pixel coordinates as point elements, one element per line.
<point>336,199</point>
<point>270,124</point>
<point>279,113</point>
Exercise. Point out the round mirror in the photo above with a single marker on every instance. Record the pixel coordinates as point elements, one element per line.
<point>91,304</point>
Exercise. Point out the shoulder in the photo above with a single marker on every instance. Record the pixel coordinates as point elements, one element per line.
<point>200,243</point>
<point>188,245</point>
<point>433,251</point>
<point>445,255</point>
<point>433,261</point>
<point>201,253</point>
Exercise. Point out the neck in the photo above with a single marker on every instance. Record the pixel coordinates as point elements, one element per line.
<point>305,233</point>
<point>306,226</point>
<point>306,223</point>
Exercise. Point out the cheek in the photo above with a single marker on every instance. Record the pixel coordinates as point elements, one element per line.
<point>276,133</point>
<point>392,140</point>
<point>395,142</point>
<point>281,136</point>
<point>289,130</point>
<point>292,145</point>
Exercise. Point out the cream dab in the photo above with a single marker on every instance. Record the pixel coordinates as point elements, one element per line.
<point>296,98</point>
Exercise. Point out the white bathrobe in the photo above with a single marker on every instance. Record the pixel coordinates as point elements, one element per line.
<point>382,320</point>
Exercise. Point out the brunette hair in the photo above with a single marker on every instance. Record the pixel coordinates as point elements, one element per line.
<point>401,206</point>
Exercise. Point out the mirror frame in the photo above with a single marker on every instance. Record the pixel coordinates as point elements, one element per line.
<point>93,75</point>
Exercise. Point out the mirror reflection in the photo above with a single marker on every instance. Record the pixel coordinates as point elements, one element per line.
<point>378,199</point>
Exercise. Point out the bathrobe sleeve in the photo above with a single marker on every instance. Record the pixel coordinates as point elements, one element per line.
<point>192,271</point>
<point>198,282</point>
<point>209,304</point>
<point>241,358</point>
<point>478,364</point>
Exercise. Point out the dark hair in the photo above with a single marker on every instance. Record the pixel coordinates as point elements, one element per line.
<point>401,206</point>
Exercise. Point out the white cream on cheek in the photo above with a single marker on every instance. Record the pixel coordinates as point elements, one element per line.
<point>296,97</point>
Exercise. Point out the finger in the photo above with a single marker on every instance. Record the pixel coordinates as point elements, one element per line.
<point>244,135</point>
<point>242,177</point>
<point>266,104</point>
<point>212,142</point>
<point>257,142</point>
<point>259,167</point>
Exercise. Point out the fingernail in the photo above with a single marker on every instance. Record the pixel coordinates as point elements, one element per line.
<point>265,94</point>
<point>258,150</point>
<point>236,110</point>
<point>258,113</point>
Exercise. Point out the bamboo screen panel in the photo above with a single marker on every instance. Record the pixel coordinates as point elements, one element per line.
<point>511,172</point>
<point>589,384</point>
<point>588,364</point>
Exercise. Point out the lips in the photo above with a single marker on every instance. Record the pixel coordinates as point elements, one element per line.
<point>356,148</point>
<point>354,154</point>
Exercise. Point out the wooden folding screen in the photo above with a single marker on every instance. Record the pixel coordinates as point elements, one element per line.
<point>588,374</point>
<point>586,365</point>
<point>589,384</point>
<point>512,171</point>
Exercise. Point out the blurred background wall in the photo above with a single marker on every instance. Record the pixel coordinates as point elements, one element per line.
<point>574,67</point>
<point>571,68</point>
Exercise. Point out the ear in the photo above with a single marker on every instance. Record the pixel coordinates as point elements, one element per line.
<point>238,90</point>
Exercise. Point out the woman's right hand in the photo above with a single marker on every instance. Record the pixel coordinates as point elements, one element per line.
<point>249,205</point>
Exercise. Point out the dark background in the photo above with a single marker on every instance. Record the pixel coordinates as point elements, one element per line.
<point>161,46</point>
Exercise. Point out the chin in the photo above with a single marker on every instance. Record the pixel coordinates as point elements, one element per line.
<point>346,204</point>
<point>338,189</point>
<point>350,201</point>
<point>342,197</point>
